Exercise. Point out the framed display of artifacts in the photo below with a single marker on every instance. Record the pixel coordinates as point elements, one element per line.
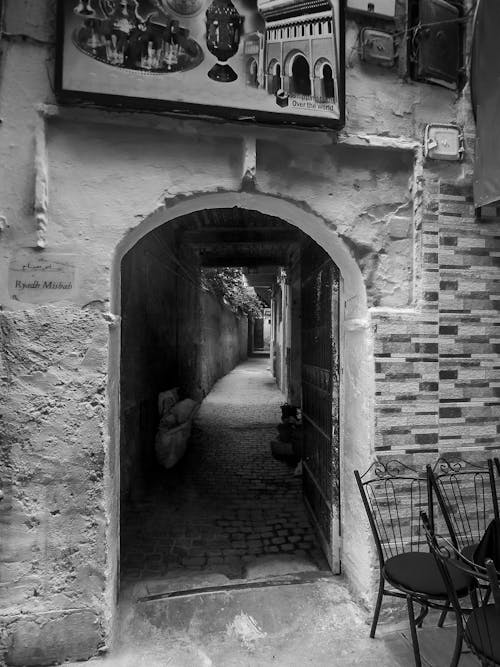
<point>262,60</point>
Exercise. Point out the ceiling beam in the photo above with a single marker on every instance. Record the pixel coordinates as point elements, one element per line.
<point>243,260</point>
<point>205,238</point>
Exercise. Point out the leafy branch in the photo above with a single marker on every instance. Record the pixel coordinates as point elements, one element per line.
<point>230,286</point>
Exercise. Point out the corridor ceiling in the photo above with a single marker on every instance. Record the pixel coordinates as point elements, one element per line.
<point>238,237</point>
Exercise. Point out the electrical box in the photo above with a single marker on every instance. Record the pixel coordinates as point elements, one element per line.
<point>377,47</point>
<point>386,8</point>
<point>443,142</point>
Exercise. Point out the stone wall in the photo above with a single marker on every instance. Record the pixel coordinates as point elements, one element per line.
<point>224,340</point>
<point>160,308</point>
<point>54,546</point>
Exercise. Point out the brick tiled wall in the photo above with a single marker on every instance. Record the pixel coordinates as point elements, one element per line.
<point>438,366</point>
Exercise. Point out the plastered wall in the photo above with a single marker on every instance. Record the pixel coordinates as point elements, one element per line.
<point>173,334</point>
<point>158,306</point>
<point>224,341</point>
<point>101,179</point>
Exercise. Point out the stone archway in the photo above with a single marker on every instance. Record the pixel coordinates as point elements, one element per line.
<point>300,75</point>
<point>252,72</point>
<point>273,77</point>
<point>297,70</point>
<point>357,366</point>
<point>324,84</point>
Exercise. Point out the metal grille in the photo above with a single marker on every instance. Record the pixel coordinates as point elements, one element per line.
<point>320,387</point>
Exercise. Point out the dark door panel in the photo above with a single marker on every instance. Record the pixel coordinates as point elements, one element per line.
<point>437,42</point>
<point>320,394</point>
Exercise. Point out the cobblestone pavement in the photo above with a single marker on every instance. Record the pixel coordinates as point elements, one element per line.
<point>228,505</point>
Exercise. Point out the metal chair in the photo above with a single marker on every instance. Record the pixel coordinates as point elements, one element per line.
<point>394,495</point>
<point>478,624</point>
<point>467,498</point>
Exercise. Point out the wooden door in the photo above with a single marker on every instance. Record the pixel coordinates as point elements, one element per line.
<point>320,396</point>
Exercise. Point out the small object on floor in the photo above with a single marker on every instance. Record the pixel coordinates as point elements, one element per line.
<point>298,470</point>
<point>283,451</point>
<point>285,432</point>
<point>288,410</point>
<point>171,444</point>
<point>174,428</point>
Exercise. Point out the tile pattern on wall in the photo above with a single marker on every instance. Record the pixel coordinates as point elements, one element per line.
<point>438,366</point>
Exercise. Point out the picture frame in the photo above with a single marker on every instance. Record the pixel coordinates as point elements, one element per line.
<point>264,61</point>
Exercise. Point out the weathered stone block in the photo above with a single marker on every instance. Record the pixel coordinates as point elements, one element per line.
<point>399,227</point>
<point>49,639</point>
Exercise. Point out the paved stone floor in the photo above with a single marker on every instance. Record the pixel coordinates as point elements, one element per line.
<point>228,505</point>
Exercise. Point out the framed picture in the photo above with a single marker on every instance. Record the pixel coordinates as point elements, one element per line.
<point>272,61</point>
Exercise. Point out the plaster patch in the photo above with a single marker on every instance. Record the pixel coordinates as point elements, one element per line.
<point>245,628</point>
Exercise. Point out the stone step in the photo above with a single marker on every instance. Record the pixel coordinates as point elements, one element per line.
<point>241,608</point>
<point>261,568</point>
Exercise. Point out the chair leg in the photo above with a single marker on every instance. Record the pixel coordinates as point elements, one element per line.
<point>457,652</point>
<point>413,630</point>
<point>473,598</point>
<point>377,607</point>
<point>443,615</point>
<point>424,610</point>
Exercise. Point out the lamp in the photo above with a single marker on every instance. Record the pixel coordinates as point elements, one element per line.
<point>223,37</point>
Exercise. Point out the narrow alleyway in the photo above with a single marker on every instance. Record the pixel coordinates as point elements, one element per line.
<point>228,508</point>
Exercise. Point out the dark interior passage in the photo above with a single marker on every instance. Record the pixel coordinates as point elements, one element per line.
<point>228,506</point>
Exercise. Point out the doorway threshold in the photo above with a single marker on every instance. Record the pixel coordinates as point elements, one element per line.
<point>309,577</point>
<point>254,427</point>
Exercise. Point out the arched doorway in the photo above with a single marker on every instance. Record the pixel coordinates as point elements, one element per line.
<point>301,76</point>
<point>273,77</point>
<point>354,334</point>
<point>324,83</point>
<point>177,339</point>
<point>252,73</point>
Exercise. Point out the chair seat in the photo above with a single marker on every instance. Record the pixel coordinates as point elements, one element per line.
<point>482,632</point>
<point>418,572</point>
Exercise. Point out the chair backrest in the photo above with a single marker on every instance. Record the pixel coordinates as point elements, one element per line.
<point>394,495</point>
<point>466,496</point>
<point>479,622</point>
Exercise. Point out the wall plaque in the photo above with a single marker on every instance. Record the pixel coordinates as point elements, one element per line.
<point>37,278</point>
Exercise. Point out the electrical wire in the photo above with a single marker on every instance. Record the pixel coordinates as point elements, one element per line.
<point>355,48</point>
<point>414,30</point>
<point>412,34</point>
<point>419,26</point>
